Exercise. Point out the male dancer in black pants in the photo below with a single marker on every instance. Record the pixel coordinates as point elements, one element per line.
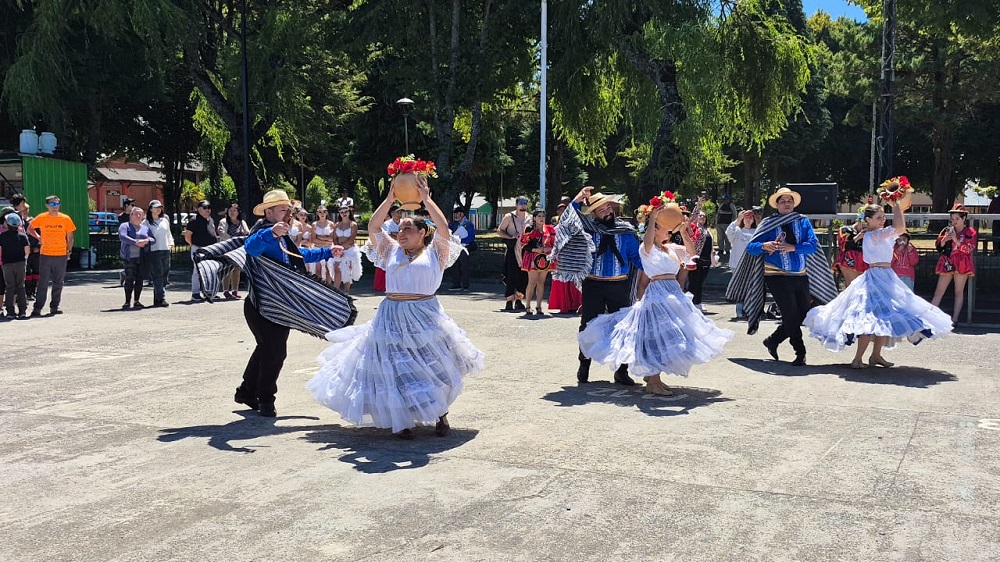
<point>614,254</point>
<point>783,256</point>
<point>260,378</point>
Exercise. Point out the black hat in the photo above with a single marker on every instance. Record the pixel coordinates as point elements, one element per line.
<point>459,209</point>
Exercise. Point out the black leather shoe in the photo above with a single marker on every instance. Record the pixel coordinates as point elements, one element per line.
<point>772,349</point>
<point>509,307</point>
<point>241,398</point>
<point>267,410</point>
<point>800,360</point>
<point>518,305</point>
<point>583,374</point>
<point>622,378</point>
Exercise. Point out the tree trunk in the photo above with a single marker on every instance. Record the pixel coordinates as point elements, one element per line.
<point>753,171</point>
<point>666,168</point>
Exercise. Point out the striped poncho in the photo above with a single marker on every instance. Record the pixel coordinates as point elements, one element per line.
<point>747,284</point>
<point>284,295</point>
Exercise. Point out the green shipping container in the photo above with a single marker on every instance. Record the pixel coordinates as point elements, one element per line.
<point>42,177</point>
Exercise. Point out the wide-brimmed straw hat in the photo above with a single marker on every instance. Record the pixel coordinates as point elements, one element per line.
<point>598,200</point>
<point>773,199</point>
<point>272,198</point>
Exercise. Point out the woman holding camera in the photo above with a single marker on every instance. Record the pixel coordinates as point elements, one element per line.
<point>956,244</point>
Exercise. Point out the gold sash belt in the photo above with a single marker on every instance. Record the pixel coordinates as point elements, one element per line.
<point>408,297</point>
<point>615,278</point>
<point>880,264</point>
<point>664,277</point>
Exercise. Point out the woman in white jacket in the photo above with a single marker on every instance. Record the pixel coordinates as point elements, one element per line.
<point>739,233</point>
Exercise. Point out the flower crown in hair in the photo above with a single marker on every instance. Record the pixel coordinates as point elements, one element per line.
<point>894,189</point>
<point>410,164</point>
<point>662,199</point>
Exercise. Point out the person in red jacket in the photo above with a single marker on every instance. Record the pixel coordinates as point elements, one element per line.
<point>904,260</point>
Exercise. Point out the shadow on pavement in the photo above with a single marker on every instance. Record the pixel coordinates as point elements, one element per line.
<point>900,375</point>
<point>377,451</point>
<point>683,401</point>
<point>251,426</point>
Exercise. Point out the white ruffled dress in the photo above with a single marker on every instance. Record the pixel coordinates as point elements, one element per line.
<point>406,366</point>
<point>661,333</point>
<point>876,303</point>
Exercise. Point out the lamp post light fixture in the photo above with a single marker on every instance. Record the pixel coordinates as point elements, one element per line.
<point>405,105</point>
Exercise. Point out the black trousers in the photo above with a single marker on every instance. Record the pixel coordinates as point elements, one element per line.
<point>696,283</point>
<point>461,272</point>
<point>133,279</point>
<point>791,294</point>
<point>600,297</point>
<point>260,378</point>
<point>514,278</point>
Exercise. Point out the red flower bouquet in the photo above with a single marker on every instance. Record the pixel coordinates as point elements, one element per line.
<point>896,190</point>
<point>410,164</point>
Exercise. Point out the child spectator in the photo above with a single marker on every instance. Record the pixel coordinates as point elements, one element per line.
<point>904,260</point>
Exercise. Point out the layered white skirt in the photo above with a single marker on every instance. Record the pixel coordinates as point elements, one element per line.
<point>349,265</point>
<point>661,333</point>
<point>402,369</point>
<point>876,303</point>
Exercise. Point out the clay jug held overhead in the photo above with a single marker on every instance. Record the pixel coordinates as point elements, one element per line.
<point>406,192</point>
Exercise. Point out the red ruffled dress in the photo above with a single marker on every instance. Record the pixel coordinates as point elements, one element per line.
<point>544,239</point>
<point>956,259</point>
<point>850,255</point>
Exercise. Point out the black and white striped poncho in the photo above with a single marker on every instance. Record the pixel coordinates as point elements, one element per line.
<point>747,284</point>
<point>286,296</point>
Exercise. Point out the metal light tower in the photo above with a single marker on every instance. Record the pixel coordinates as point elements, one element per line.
<point>245,200</point>
<point>543,102</point>
<point>888,92</point>
<point>405,105</point>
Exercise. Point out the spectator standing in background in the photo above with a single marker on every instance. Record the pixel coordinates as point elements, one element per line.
<point>905,259</point>
<point>159,252</point>
<point>461,272</point>
<point>127,205</point>
<point>31,269</point>
<point>14,250</point>
<point>723,217</point>
<point>200,231</point>
<point>55,231</point>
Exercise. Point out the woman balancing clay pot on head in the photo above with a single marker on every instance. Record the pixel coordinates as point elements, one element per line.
<point>533,250</point>
<point>662,332</point>
<point>406,366</point>
<point>877,308</point>
<point>956,244</point>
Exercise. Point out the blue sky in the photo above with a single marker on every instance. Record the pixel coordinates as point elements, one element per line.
<point>835,8</point>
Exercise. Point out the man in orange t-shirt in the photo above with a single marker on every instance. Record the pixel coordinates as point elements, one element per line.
<point>55,231</point>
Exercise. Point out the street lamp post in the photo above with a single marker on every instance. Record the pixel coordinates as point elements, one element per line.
<point>405,105</point>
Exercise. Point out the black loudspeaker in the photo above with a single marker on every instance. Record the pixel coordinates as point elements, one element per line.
<point>817,198</point>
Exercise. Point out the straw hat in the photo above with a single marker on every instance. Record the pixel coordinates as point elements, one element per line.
<point>598,200</point>
<point>272,198</point>
<point>773,199</point>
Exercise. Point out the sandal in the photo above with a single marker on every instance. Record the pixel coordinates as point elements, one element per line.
<point>879,361</point>
<point>441,427</point>
<point>858,364</point>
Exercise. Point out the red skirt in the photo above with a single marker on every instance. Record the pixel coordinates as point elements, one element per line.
<point>379,284</point>
<point>564,297</point>
<point>851,259</point>
<point>955,263</point>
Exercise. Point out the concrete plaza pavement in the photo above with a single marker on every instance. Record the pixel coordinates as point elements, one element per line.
<point>121,442</point>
